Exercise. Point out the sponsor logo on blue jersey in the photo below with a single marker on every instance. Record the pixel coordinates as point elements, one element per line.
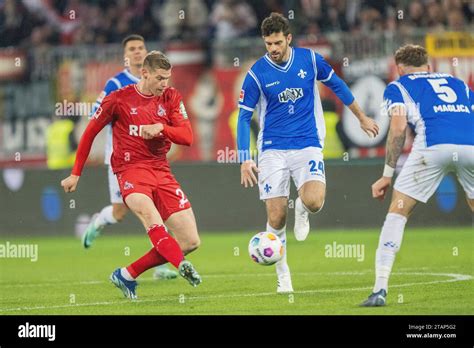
<point>292,94</point>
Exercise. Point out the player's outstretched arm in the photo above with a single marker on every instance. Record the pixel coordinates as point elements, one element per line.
<point>394,148</point>
<point>339,87</point>
<point>367,124</point>
<point>326,74</point>
<point>99,120</point>
<point>70,183</point>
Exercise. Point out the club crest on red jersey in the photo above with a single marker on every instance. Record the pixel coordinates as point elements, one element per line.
<point>161,111</point>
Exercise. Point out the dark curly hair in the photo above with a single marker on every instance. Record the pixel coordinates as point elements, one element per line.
<point>275,23</point>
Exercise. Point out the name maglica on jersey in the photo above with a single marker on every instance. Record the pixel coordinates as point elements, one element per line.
<point>451,108</point>
<point>438,107</point>
<point>444,94</point>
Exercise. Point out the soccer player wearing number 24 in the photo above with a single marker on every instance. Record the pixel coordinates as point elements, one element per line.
<point>282,86</point>
<point>439,107</point>
<point>146,118</point>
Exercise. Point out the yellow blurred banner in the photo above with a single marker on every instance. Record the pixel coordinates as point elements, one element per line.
<point>450,44</point>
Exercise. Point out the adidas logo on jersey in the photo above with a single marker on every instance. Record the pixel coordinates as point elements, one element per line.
<point>292,94</point>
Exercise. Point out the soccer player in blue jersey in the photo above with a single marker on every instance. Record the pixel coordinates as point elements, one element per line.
<point>134,52</point>
<point>439,108</point>
<point>282,86</point>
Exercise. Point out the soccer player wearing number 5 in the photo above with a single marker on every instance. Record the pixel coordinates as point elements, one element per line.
<point>146,118</point>
<point>439,107</point>
<point>282,86</point>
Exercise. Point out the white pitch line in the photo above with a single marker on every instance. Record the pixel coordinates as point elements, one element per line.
<point>454,277</point>
<point>230,275</point>
<point>97,282</point>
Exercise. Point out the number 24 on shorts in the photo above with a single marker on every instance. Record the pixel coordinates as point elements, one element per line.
<point>314,166</point>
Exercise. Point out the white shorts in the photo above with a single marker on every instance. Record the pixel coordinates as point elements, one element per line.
<point>425,168</point>
<point>114,188</point>
<point>276,167</point>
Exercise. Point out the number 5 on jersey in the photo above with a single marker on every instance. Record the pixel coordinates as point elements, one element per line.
<point>444,93</point>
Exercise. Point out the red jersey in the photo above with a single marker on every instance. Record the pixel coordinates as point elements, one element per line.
<point>128,109</point>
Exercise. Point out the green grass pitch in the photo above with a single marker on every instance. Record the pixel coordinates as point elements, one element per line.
<point>433,274</point>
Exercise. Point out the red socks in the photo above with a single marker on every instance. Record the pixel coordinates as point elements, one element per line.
<point>147,261</point>
<point>165,249</point>
<point>166,245</point>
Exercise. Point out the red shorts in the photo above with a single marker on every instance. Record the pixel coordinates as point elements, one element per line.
<point>160,186</point>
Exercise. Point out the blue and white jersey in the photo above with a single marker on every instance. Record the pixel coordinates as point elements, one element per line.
<point>439,108</point>
<point>287,101</point>
<point>120,80</point>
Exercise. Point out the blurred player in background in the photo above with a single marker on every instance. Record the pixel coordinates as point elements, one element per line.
<point>439,108</point>
<point>146,118</point>
<point>134,53</point>
<point>282,85</point>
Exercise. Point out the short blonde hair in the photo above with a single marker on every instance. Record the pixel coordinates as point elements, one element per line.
<point>156,60</point>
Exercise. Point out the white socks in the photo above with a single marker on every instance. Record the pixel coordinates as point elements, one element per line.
<point>389,244</point>
<point>282,265</point>
<point>105,217</point>
<point>126,274</point>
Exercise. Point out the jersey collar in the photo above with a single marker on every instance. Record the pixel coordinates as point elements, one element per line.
<point>284,68</point>
<point>141,94</point>
<point>131,76</point>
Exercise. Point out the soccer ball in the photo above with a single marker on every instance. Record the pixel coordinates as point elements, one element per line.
<point>265,248</point>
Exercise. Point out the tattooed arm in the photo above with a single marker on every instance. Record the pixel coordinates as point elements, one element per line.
<point>396,136</point>
<point>394,147</point>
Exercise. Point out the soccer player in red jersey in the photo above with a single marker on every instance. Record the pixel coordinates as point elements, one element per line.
<point>134,52</point>
<point>146,118</point>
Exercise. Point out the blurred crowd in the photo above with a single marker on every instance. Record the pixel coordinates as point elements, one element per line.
<point>30,23</point>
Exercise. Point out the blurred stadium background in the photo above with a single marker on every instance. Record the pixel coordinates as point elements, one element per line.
<point>56,55</point>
